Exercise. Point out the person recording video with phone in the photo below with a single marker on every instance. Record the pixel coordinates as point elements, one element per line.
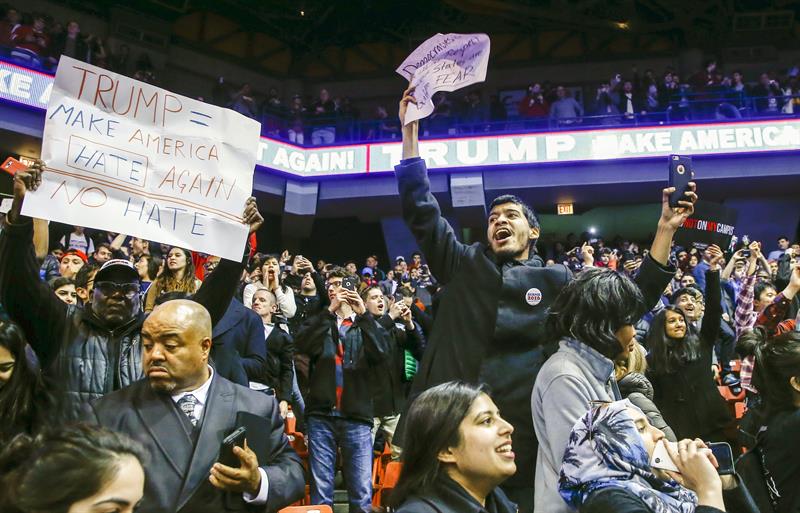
<point>182,412</point>
<point>343,342</point>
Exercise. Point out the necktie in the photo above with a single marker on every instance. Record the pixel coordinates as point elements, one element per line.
<point>187,404</point>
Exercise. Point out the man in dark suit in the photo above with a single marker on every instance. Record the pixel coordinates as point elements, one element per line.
<point>239,332</point>
<point>183,411</point>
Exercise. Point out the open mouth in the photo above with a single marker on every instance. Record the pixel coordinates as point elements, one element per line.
<point>505,450</point>
<point>502,234</point>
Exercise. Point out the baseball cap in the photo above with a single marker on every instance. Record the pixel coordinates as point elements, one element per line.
<point>366,270</point>
<point>78,253</point>
<point>117,270</point>
<point>400,258</point>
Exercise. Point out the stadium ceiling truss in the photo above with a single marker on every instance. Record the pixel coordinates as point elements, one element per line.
<point>324,39</point>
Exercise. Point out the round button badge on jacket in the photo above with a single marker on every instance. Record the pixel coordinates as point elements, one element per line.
<point>533,297</point>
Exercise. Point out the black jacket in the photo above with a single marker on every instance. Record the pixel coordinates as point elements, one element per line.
<point>278,371</point>
<point>178,469</point>
<point>447,496</point>
<point>80,356</point>
<point>638,390</point>
<point>485,330</point>
<point>366,345</point>
<point>689,399</point>
<point>388,380</point>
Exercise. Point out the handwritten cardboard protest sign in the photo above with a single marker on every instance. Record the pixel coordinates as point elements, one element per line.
<point>445,62</point>
<point>126,156</point>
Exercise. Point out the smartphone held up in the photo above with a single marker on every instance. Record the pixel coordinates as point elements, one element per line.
<point>680,174</point>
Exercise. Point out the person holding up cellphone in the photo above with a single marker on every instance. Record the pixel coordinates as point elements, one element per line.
<point>343,343</point>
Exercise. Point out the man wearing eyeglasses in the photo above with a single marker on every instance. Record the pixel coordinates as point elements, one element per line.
<point>91,351</point>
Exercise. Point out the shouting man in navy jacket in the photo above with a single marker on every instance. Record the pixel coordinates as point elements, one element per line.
<point>490,322</point>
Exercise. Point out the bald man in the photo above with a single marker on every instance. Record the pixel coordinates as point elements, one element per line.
<point>182,411</point>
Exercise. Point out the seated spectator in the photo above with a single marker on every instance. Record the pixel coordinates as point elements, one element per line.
<point>24,401</point>
<point>777,377</point>
<point>607,468</point>
<point>271,280</point>
<point>32,37</point>
<point>565,110</point>
<point>148,268</point>
<point>90,467</point>
<point>177,276</point>
<point>343,343</point>
<point>64,289</point>
<point>78,239</point>
<point>182,412</point>
<point>457,451</point>
<point>680,358</point>
<point>71,263</point>
<point>277,372</point>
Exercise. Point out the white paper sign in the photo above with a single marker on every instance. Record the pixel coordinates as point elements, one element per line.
<point>126,156</point>
<point>445,62</point>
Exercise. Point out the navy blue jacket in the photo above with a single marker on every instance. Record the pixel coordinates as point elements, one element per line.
<point>239,349</point>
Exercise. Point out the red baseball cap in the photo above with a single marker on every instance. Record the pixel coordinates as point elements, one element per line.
<point>77,252</point>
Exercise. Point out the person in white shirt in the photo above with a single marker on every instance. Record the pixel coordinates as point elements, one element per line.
<point>78,240</point>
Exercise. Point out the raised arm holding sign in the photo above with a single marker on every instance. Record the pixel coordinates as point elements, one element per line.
<point>445,62</point>
<point>126,156</point>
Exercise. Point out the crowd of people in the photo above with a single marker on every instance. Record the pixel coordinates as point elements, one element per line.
<point>595,355</point>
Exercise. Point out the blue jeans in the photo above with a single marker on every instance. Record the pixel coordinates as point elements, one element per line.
<point>325,435</point>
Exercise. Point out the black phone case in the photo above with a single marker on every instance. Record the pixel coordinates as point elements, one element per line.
<point>724,454</point>
<point>680,174</point>
<point>226,456</point>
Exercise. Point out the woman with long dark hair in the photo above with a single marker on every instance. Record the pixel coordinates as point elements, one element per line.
<point>177,276</point>
<point>457,451</point>
<point>75,470</point>
<point>777,377</point>
<point>23,399</point>
<point>680,361</point>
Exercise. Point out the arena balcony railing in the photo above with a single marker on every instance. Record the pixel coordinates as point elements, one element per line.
<point>684,107</point>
